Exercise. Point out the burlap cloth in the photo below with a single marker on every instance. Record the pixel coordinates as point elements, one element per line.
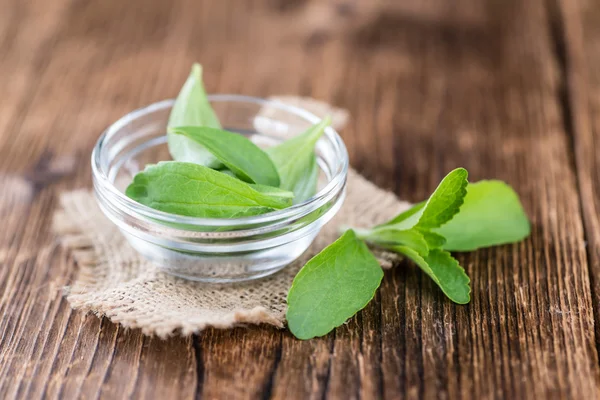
<point>113,280</point>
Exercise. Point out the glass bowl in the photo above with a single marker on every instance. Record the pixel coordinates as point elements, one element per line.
<point>210,249</point>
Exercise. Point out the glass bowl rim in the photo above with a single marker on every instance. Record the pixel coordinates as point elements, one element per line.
<point>119,199</point>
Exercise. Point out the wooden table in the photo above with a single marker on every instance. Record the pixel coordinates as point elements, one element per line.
<point>509,89</point>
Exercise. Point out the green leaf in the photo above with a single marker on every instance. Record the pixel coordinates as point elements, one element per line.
<point>332,287</point>
<point>226,172</point>
<point>404,215</point>
<point>306,187</point>
<point>390,237</point>
<point>441,207</point>
<point>192,108</point>
<point>491,215</point>
<point>434,240</point>
<point>245,159</point>
<point>446,200</point>
<point>294,158</point>
<point>197,191</point>
<point>285,195</point>
<point>444,270</point>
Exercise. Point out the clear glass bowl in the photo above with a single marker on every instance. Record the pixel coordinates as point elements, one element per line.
<point>209,249</point>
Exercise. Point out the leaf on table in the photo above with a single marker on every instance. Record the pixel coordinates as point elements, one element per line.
<point>434,240</point>
<point>490,215</point>
<point>197,191</point>
<point>445,201</point>
<point>390,237</point>
<point>245,159</point>
<point>441,206</point>
<point>332,287</point>
<point>445,272</point>
<point>404,215</point>
<point>192,108</point>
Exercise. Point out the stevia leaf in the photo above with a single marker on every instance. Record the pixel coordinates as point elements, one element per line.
<point>294,157</point>
<point>332,287</point>
<point>434,240</point>
<point>226,172</point>
<point>197,191</point>
<point>245,159</point>
<point>445,272</point>
<point>404,215</point>
<point>192,108</point>
<point>284,195</point>
<point>306,187</point>
<point>441,206</point>
<point>445,202</point>
<point>490,215</point>
<point>389,237</point>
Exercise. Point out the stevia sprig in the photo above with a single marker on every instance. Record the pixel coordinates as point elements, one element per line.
<point>457,216</point>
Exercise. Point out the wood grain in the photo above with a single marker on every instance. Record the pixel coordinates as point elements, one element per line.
<point>582,56</point>
<point>507,89</point>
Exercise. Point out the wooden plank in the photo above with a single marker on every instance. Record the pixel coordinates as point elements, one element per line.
<point>529,321</point>
<point>26,30</point>
<point>47,351</point>
<point>527,332</point>
<point>238,363</point>
<point>478,91</point>
<point>582,53</point>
